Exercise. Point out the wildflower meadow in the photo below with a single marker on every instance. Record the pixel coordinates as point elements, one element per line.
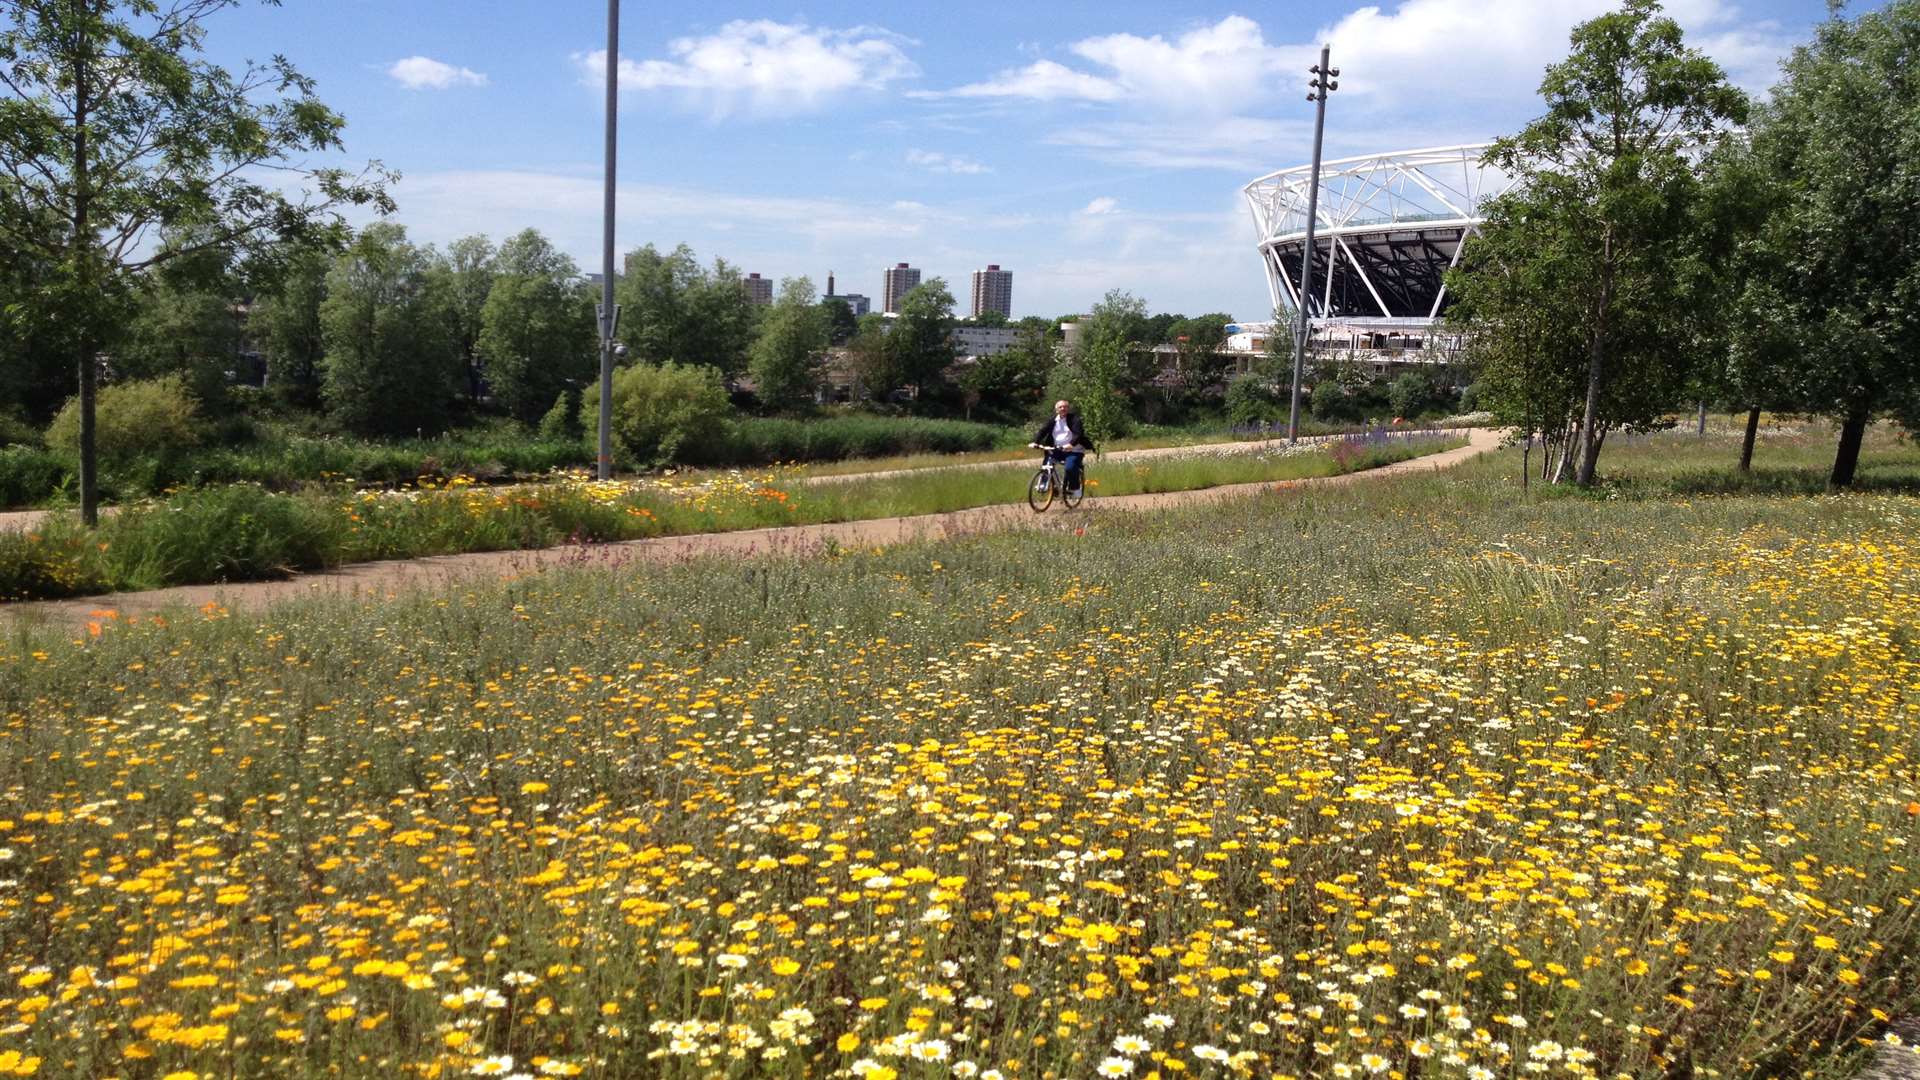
<point>1420,778</point>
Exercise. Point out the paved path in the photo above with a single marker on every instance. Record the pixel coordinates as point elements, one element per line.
<point>1028,461</point>
<point>386,580</point>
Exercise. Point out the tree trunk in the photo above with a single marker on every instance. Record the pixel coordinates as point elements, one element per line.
<point>1702,433</point>
<point>1852,432</point>
<point>1526,463</point>
<point>1596,368</point>
<point>1746,445</point>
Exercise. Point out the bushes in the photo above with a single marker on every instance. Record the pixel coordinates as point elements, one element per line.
<point>661,413</point>
<point>145,417</point>
<point>28,475</point>
<point>57,559</point>
<point>841,437</point>
<point>1254,399</point>
<point>237,532</point>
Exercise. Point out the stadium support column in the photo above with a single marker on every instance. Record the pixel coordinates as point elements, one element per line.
<point>1321,85</point>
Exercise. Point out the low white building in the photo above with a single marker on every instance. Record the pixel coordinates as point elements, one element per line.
<point>984,340</point>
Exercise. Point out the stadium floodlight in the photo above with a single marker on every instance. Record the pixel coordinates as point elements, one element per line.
<point>1322,84</point>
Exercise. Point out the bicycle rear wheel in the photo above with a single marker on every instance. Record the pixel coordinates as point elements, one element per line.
<point>1040,490</point>
<point>1070,496</point>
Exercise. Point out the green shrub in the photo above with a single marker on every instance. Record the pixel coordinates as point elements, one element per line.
<point>55,559</point>
<point>562,422</point>
<point>15,431</point>
<point>235,532</point>
<point>29,475</point>
<point>1253,399</point>
<point>765,441</point>
<point>154,417</point>
<point>664,414</point>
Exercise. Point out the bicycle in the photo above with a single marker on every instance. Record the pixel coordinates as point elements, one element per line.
<point>1051,479</point>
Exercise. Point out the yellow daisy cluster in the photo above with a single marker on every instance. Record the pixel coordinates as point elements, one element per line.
<point>1516,812</point>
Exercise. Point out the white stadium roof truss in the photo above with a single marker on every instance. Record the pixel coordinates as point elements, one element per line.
<point>1387,226</point>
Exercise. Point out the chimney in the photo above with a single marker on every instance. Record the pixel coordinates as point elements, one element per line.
<point>829,283</point>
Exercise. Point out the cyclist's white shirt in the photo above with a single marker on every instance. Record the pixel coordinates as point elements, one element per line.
<point>1062,434</point>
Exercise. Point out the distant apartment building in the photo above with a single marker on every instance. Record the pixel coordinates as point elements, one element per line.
<point>992,291</point>
<point>758,289</point>
<point>901,279</point>
<point>984,340</point>
<point>860,304</point>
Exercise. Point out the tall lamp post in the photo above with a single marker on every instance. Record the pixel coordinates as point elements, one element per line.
<point>1321,85</point>
<point>609,312</point>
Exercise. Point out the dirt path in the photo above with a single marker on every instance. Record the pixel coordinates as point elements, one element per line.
<point>385,580</point>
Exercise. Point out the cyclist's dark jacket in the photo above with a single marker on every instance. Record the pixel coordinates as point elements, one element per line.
<point>1045,435</point>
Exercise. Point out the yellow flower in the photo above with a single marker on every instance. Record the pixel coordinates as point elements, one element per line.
<point>785,966</point>
<point>847,1043</point>
<point>532,787</point>
<point>873,1004</point>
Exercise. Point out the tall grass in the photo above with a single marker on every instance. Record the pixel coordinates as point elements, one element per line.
<point>244,532</point>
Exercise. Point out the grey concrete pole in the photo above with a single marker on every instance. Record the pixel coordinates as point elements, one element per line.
<point>609,314</point>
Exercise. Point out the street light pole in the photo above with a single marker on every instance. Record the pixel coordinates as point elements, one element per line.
<point>1321,85</point>
<point>609,312</point>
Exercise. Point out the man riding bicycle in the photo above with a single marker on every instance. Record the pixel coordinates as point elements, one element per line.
<point>1066,437</point>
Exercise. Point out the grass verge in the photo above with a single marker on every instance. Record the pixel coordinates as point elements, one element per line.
<point>242,532</point>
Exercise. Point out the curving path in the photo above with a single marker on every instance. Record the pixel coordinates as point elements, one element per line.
<point>385,580</point>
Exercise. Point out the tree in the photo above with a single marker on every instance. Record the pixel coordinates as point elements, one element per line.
<point>1007,385</point>
<point>1099,379</point>
<point>1833,276</point>
<point>536,334</point>
<point>286,323</point>
<point>785,360</point>
<point>922,337</point>
<point>1597,226</point>
<point>113,129</point>
<point>672,309</point>
<point>841,323</point>
<point>390,366</point>
<point>1198,343</point>
<point>469,268</point>
<point>184,321</point>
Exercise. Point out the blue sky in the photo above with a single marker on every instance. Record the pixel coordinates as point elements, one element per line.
<point>1084,146</point>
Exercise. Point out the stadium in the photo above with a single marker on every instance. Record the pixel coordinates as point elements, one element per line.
<point>1389,225</point>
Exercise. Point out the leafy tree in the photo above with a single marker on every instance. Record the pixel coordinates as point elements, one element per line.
<point>673,309</point>
<point>1832,280</point>
<point>1159,329</point>
<point>36,356</point>
<point>986,318</point>
<point>1597,228</point>
<point>185,322</point>
<point>114,129</point>
<point>470,269</point>
<point>873,358</point>
<point>922,337</point>
<point>1008,384</point>
<point>286,323</point>
<point>785,360</point>
<point>841,323</point>
<point>536,335</point>
<point>390,366</point>
<point>1199,342</point>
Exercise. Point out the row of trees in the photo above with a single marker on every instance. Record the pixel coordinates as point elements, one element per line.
<point>1653,255</point>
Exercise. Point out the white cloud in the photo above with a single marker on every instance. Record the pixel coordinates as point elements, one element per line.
<point>934,161</point>
<point>1043,80</point>
<point>1105,204</point>
<point>426,73</point>
<point>765,68</point>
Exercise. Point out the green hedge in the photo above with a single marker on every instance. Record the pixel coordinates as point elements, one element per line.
<point>837,438</point>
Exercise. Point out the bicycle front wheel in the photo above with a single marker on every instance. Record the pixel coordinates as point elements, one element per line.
<point>1040,491</point>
